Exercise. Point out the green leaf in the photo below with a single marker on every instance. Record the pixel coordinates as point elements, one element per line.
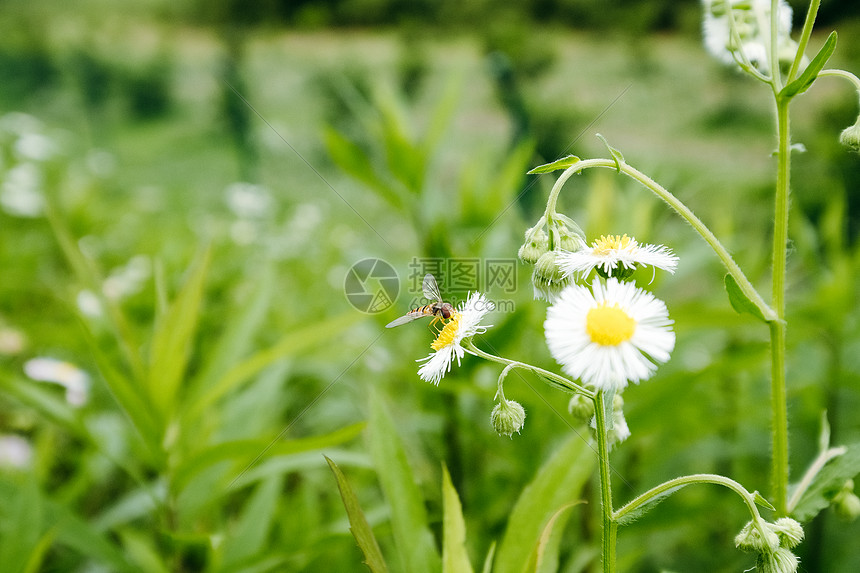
<point>248,536</point>
<point>616,155</point>
<point>807,78</point>
<point>254,450</point>
<point>353,160</point>
<point>140,549</point>
<point>412,535</point>
<point>293,342</point>
<point>546,552</point>
<point>455,559</point>
<point>827,483</point>
<point>358,523</point>
<point>172,339</point>
<point>557,482</point>
<point>739,301</point>
<point>562,163</point>
<point>488,560</point>
<point>762,502</point>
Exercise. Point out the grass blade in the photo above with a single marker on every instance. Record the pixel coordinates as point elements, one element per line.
<point>557,482</point>
<point>358,523</point>
<point>455,559</point>
<point>412,536</point>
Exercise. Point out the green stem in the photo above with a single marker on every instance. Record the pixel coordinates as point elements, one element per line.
<point>557,381</point>
<point>779,413</point>
<point>731,266</point>
<point>610,528</point>
<point>841,74</point>
<point>666,488</point>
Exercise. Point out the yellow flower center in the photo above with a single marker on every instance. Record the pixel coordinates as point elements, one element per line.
<point>607,243</point>
<point>448,332</point>
<point>609,325</point>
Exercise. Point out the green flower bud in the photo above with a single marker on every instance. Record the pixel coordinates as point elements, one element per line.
<point>548,279</point>
<point>750,539</point>
<point>781,560</point>
<point>536,244</point>
<point>581,407</point>
<point>508,417</point>
<point>789,531</point>
<point>850,137</point>
<point>846,504</point>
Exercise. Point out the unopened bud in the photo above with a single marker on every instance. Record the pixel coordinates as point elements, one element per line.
<point>581,407</point>
<point>846,504</point>
<point>750,539</point>
<point>789,531</point>
<point>850,137</point>
<point>537,243</point>
<point>508,417</point>
<point>548,279</point>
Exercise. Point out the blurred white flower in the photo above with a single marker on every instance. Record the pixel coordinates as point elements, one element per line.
<point>89,304</point>
<point>752,24</point>
<point>101,163</point>
<point>463,324</point>
<point>21,191</point>
<point>15,452</point>
<point>35,147</point>
<point>127,279</point>
<point>610,334</point>
<point>12,341</point>
<point>73,379</point>
<point>248,201</point>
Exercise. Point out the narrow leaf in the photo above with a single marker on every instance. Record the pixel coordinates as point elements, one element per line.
<point>455,559</point>
<point>616,155</point>
<point>358,523</point>
<point>353,160</point>
<point>557,482</point>
<point>256,450</point>
<point>546,552</point>
<point>562,163</point>
<point>827,483</point>
<point>739,301</point>
<point>171,341</point>
<point>412,535</point>
<point>762,502</point>
<point>806,79</point>
<point>248,537</point>
<point>488,560</point>
<point>293,342</point>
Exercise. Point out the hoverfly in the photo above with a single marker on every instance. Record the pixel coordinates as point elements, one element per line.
<point>438,310</point>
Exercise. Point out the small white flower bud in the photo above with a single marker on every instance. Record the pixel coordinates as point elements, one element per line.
<point>846,504</point>
<point>789,531</point>
<point>581,407</point>
<point>850,137</point>
<point>536,244</point>
<point>547,278</point>
<point>508,417</point>
<point>781,560</point>
<point>750,539</point>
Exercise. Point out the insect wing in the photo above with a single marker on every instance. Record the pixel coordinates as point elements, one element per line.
<point>405,319</point>
<point>431,289</point>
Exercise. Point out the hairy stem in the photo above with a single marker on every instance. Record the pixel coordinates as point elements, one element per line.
<point>610,528</point>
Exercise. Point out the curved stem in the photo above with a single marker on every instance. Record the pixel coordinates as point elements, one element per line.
<point>841,74</point>
<point>666,487</point>
<point>610,528</point>
<point>558,381</point>
<point>731,266</point>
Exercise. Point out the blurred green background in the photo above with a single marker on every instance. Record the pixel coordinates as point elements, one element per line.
<point>185,186</point>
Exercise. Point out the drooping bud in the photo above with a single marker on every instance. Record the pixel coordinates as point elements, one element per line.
<point>536,244</point>
<point>846,504</point>
<point>850,137</point>
<point>789,531</point>
<point>547,278</point>
<point>750,539</point>
<point>508,417</point>
<point>581,407</point>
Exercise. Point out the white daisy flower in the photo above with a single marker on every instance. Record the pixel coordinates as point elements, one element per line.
<point>610,334</point>
<point>463,324</point>
<point>614,255</point>
<point>73,379</point>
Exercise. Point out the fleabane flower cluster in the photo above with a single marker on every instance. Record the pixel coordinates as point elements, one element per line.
<point>739,31</point>
<point>464,323</point>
